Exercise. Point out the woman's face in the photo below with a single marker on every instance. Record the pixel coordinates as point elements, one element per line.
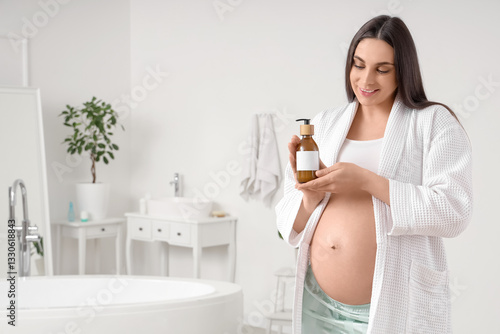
<point>373,75</point>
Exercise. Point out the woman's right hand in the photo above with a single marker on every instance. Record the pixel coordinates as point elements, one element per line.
<point>311,198</point>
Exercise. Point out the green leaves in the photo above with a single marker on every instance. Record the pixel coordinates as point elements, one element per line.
<point>38,245</point>
<point>91,130</point>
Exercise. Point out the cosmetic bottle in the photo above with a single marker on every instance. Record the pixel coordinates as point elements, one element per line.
<point>84,216</point>
<point>71,212</point>
<point>307,158</point>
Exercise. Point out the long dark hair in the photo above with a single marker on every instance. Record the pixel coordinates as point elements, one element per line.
<point>394,32</point>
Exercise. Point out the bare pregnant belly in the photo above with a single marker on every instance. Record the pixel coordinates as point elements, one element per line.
<point>343,248</point>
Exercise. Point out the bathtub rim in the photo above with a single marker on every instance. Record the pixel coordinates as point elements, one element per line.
<point>224,292</point>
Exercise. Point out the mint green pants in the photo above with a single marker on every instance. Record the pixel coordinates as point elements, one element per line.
<point>323,315</point>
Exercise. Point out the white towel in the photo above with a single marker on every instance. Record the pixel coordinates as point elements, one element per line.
<point>250,161</point>
<point>268,175</point>
<point>261,175</point>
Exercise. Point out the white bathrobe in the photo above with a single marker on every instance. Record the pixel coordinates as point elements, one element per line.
<point>426,155</point>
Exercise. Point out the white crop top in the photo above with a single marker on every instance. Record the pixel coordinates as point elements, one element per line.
<point>364,153</point>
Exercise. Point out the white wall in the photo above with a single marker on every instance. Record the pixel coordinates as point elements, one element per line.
<point>260,56</point>
<point>77,49</point>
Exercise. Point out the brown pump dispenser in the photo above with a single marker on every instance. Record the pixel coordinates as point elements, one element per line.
<point>307,155</point>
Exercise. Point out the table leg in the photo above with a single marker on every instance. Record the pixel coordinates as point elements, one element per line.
<point>167,258</point>
<point>162,259</point>
<point>231,248</point>
<point>97,253</point>
<point>118,249</point>
<point>81,251</point>
<point>128,255</point>
<point>196,260</point>
<point>58,249</point>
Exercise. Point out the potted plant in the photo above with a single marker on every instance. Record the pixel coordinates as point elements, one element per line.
<point>93,126</point>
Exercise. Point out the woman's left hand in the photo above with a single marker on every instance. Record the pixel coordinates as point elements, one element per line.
<point>341,177</point>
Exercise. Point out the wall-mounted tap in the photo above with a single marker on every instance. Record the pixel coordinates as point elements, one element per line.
<point>176,182</point>
<point>24,231</point>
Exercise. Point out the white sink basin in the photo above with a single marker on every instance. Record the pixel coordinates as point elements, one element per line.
<point>180,207</point>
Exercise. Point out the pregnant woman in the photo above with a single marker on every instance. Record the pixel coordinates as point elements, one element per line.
<point>394,179</point>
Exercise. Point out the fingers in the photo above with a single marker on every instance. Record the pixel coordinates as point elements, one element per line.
<point>318,184</point>
<point>326,170</point>
<point>293,164</point>
<point>292,148</point>
<point>321,165</point>
<point>292,145</point>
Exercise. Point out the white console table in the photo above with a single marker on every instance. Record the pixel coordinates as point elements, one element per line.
<point>196,234</point>
<point>109,227</point>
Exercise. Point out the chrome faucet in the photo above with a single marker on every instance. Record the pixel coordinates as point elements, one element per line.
<point>176,182</point>
<point>24,231</point>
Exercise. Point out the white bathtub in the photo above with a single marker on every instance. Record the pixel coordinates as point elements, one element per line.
<point>122,304</point>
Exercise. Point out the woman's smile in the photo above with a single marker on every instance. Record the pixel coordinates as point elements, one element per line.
<point>368,92</point>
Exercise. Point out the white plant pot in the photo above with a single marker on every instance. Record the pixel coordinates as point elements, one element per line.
<point>40,266</point>
<point>93,198</point>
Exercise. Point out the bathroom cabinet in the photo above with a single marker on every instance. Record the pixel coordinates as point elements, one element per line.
<point>105,228</point>
<point>196,234</point>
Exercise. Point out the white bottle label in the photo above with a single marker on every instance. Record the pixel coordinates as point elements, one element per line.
<point>307,160</point>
